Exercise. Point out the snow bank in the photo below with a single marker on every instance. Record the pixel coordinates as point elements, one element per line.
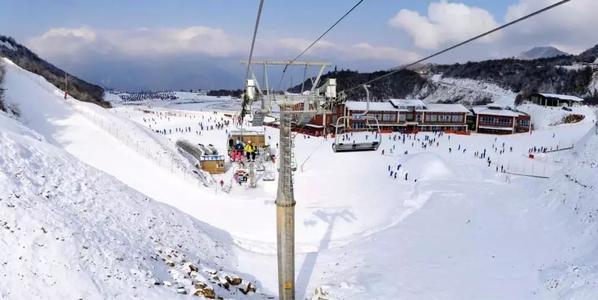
<point>546,117</point>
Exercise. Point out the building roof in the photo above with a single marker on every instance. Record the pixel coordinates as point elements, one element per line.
<point>562,97</point>
<point>448,108</point>
<point>495,111</point>
<point>245,132</point>
<point>407,103</point>
<point>374,106</point>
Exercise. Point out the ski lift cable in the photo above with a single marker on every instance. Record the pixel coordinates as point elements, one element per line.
<point>318,39</point>
<point>400,68</point>
<point>257,24</point>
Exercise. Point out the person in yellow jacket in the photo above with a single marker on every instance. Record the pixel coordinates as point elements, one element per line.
<point>250,151</point>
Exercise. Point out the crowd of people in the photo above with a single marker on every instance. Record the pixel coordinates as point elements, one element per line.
<point>405,143</point>
<point>143,96</point>
<point>203,124</point>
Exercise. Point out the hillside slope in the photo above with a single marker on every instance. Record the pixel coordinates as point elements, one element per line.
<point>28,60</point>
<point>567,74</point>
<point>70,231</point>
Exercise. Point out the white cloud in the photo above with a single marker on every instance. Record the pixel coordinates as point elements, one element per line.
<point>446,22</point>
<point>66,42</point>
<point>85,44</point>
<point>299,45</point>
<point>381,53</point>
<point>571,26</point>
<point>335,53</point>
<point>143,42</point>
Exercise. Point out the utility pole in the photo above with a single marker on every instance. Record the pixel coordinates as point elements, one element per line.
<point>285,209</point>
<point>66,85</point>
<point>285,199</point>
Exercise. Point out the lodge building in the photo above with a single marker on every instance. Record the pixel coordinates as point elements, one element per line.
<point>408,115</point>
<point>500,120</point>
<point>400,115</point>
<point>546,99</point>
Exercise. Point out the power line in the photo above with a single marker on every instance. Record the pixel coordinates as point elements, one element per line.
<point>400,68</point>
<point>319,38</point>
<point>257,24</point>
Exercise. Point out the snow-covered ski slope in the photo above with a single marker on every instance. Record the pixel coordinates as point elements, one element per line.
<point>462,231</point>
<point>71,231</point>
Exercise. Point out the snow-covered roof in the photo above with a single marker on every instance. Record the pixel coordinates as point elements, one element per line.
<point>449,108</point>
<point>407,103</point>
<point>374,106</point>
<point>562,97</point>
<point>245,132</point>
<point>496,111</point>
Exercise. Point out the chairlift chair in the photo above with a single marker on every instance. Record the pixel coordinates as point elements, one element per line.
<point>348,146</point>
<point>371,123</point>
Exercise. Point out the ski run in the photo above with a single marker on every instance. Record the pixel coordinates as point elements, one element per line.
<point>99,204</point>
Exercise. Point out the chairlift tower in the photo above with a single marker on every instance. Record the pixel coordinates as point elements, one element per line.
<point>294,108</point>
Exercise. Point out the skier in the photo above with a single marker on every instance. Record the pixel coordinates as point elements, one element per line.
<point>250,151</point>
<point>239,150</point>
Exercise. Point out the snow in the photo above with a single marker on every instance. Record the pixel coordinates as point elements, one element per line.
<point>461,231</point>
<point>549,117</point>
<point>593,85</point>
<point>112,97</point>
<point>452,108</point>
<point>562,97</point>
<point>70,231</point>
<point>574,67</point>
<point>495,110</point>
<point>466,91</point>
<point>7,45</point>
<point>373,106</point>
<point>407,103</point>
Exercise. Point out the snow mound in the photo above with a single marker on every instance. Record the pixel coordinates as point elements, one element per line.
<point>544,117</point>
<point>428,166</point>
<point>571,199</point>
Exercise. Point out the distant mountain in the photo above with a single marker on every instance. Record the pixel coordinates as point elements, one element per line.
<point>29,61</point>
<point>590,55</point>
<point>479,82</point>
<point>541,52</point>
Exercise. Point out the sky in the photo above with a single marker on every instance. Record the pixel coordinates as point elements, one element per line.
<point>191,44</point>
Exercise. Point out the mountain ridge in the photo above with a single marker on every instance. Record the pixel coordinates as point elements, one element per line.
<point>28,60</point>
<point>573,74</point>
<point>541,52</point>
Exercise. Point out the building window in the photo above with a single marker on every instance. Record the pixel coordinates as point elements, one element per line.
<point>457,118</point>
<point>388,117</point>
<point>497,121</point>
<point>402,117</point>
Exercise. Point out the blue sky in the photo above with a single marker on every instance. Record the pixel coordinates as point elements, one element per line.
<point>198,43</point>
